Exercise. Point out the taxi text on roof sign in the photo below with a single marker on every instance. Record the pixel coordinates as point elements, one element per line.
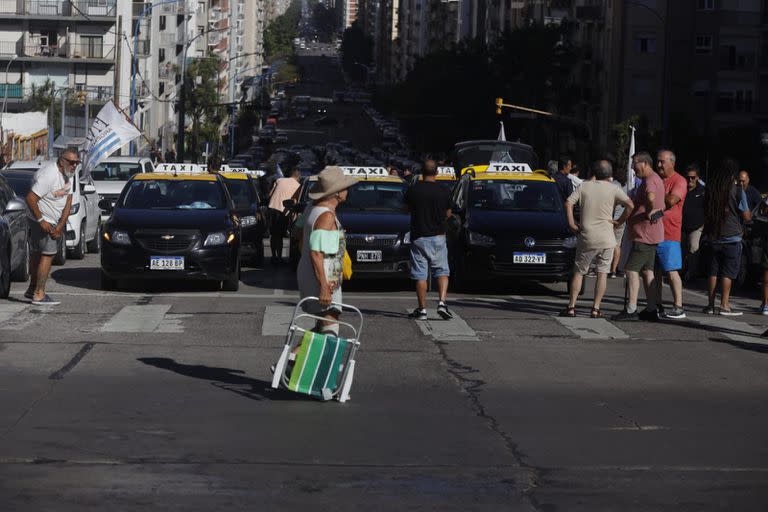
<point>446,171</point>
<point>509,167</point>
<point>175,168</point>
<point>365,171</point>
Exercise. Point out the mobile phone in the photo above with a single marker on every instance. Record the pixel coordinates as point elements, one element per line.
<point>656,216</point>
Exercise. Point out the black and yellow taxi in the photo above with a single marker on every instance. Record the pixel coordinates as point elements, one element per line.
<point>172,225</point>
<point>244,190</point>
<point>508,219</point>
<point>374,220</point>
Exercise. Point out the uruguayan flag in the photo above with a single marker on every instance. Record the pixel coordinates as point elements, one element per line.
<point>109,132</point>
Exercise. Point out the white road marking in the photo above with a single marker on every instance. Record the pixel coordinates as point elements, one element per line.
<point>640,428</point>
<point>9,310</point>
<point>137,319</point>
<point>592,328</point>
<point>455,329</point>
<point>731,329</point>
<point>276,320</point>
<point>172,324</point>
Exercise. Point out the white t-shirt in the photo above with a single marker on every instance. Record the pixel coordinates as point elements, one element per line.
<point>575,180</point>
<point>50,185</point>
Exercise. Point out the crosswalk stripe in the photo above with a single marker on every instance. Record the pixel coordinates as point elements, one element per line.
<point>276,320</point>
<point>733,330</point>
<point>455,329</point>
<point>592,328</point>
<point>138,319</point>
<point>8,311</point>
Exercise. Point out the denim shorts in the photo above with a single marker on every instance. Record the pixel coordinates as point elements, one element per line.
<point>430,252</point>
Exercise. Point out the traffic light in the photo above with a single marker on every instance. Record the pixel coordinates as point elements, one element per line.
<point>82,95</point>
<point>499,103</point>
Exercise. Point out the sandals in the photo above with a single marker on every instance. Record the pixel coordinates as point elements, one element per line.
<point>569,312</point>
<point>596,313</point>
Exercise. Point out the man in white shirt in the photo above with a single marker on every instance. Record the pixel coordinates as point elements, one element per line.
<point>49,201</point>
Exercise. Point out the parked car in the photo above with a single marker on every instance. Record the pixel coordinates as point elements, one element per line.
<point>14,250</point>
<point>111,175</point>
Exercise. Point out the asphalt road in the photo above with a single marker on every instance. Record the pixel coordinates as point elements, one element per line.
<point>157,397</point>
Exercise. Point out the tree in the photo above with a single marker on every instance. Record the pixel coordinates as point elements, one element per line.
<point>279,35</point>
<point>202,104</point>
<point>43,96</point>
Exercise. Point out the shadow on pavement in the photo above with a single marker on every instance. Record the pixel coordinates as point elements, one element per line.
<point>227,379</point>
<point>78,277</point>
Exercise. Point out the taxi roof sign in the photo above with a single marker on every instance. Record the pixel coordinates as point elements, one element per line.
<point>446,171</point>
<point>502,167</point>
<point>365,171</point>
<point>181,168</point>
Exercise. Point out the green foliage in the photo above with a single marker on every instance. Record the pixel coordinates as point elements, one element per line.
<point>40,101</point>
<point>201,101</point>
<point>287,72</point>
<point>279,35</point>
<point>622,134</point>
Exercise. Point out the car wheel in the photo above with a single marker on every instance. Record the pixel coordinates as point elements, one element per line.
<point>21,273</point>
<point>5,274</point>
<point>78,252</point>
<point>232,283</point>
<point>107,283</point>
<point>61,257</point>
<point>94,246</point>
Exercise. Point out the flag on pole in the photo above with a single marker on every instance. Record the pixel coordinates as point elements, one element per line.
<point>502,135</point>
<point>630,170</point>
<point>109,132</point>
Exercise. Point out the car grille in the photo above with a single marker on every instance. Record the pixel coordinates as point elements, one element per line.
<point>371,241</point>
<point>158,241</point>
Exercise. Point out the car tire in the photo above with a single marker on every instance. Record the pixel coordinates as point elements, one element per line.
<point>78,252</point>
<point>232,283</point>
<point>61,257</point>
<point>5,274</point>
<point>21,274</point>
<point>107,283</point>
<point>94,246</point>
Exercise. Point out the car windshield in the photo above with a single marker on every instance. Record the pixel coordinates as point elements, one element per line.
<point>241,192</point>
<point>173,195</point>
<point>512,195</point>
<point>483,154</point>
<point>371,195</point>
<point>20,184</point>
<point>114,171</point>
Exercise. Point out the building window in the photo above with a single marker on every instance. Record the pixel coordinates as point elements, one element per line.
<point>161,55</point>
<point>738,101</point>
<point>703,44</point>
<point>201,29</point>
<point>705,5</point>
<point>92,46</point>
<point>162,22</point>
<point>161,88</point>
<point>645,43</point>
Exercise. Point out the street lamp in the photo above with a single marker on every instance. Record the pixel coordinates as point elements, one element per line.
<point>232,120</point>
<point>5,100</point>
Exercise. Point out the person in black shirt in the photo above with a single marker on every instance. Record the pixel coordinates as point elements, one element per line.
<point>693,221</point>
<point>430,207</point>
<point>753,195</point>
<point>564,183</point>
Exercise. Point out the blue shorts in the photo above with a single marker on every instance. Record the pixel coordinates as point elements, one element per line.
<point>670,255</point>
<point>429,252</point>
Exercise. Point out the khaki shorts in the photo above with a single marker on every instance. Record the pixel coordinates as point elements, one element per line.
<point>642,257</point>
<point>619,233</point>
<point>584,258</point>
<point>42,243</point>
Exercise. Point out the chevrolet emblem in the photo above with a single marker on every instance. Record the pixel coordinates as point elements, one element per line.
<point>167,237</point>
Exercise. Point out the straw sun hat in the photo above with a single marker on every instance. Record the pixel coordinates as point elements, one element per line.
<point>331,180</point>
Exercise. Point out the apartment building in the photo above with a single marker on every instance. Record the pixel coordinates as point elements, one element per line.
<point>348,9</point>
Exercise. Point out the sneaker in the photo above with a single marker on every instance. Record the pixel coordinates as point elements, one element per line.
<point>764,310</point>
<point>442,310</point>
<point>730,312</point>
<point>708,310</point>
<point>419,314</point>
<point>676,313</point>
<point>612,275</point>
<point>624,316</point>
<point>46,301</point>
<point>649,316</point>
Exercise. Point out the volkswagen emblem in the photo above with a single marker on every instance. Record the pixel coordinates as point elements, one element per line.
<point>529,241</point>
<point>167,237</point>
<point>370,238</point>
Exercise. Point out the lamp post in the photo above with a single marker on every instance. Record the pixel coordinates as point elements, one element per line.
<point>5,100</point>
<point>233,112</point>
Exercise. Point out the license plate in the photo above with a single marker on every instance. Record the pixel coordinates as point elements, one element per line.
<point>531,258</point>
<point>166,262</point>
<point>369,256</point>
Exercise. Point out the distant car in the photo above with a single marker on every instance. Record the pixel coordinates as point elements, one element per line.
<point>111,175</point>
<point>281,138</point>
<point>15,245</point>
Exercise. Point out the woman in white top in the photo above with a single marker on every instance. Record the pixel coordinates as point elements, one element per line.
<point>320,269</point>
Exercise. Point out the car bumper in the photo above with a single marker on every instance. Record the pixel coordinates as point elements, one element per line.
<point>395,262</point>
<point>72,237</point>
<point>484,263</point>
<point>132,262</point>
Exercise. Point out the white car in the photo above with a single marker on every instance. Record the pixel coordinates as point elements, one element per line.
<point>82,234</point>
<point>111,175</point>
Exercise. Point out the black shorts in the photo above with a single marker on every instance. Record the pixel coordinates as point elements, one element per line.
<point>725,260</point>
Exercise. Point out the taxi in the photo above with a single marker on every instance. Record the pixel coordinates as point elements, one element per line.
<point>508,220</point>
<point>374,220</point>
<point>243,189</point>
<point>172,225</point>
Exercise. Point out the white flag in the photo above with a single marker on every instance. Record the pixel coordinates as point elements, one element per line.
<point>630,169</point>
<point>109,132</point>
<point>502,135</point>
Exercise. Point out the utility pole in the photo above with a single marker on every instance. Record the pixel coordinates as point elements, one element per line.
<point>232,76</point>
<point>182,110</point>
<point>63,111</point>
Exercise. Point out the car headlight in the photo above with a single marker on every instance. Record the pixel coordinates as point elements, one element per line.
<point>407,238</point>
<point>74,209</point>
<point>248,220</point>
<point>218,238</point>
<point>570,242</point>
<point>481,240</point>
<point>117,237</point>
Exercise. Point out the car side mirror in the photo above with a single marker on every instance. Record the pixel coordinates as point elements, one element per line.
<point>15,205</point>
<point>89,189</point>
<point>106,205</point>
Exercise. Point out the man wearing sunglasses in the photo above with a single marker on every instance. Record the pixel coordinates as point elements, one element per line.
<point>49,201</point>
<point>693,221</point>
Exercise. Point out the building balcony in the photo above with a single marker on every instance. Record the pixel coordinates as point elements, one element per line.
<point>80,10</point>
<point>12,91</point>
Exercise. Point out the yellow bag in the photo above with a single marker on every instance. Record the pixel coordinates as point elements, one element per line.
<point>346,267</point>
